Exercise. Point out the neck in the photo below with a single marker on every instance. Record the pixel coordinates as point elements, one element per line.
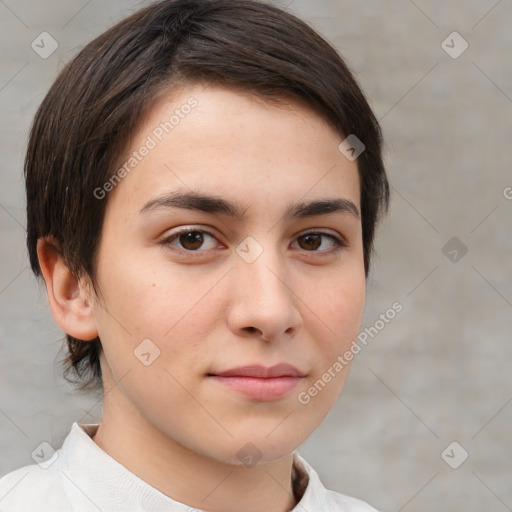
<point>187,476</point>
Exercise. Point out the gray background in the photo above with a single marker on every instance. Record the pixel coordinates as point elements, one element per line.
<point>438,372</point>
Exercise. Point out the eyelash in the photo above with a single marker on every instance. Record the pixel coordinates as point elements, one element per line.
<point>340,244</point>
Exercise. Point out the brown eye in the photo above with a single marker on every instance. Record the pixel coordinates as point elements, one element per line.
<point>190,240</point>
<point>311,242</point>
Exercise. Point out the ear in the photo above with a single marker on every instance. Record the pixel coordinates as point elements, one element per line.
<point>70,302</point>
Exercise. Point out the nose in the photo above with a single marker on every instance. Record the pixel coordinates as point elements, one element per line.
<point>264,303</point>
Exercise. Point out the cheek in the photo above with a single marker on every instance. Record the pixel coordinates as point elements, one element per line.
<point>337,307</point>
<point>350,306</point>
<point>164,303</point>
<point>340,310</point>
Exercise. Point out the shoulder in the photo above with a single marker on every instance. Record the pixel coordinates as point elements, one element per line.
<point>32,488</point>
<point>54,485</point>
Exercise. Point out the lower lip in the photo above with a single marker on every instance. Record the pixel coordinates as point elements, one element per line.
<point>262,389</point>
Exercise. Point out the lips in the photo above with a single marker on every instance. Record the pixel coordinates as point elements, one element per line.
<point>259,382</point>
<point>279,370</point>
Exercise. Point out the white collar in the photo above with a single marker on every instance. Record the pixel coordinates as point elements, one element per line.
<point>82,450</point>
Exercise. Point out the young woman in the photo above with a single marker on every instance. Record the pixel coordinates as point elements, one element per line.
<point>203,185</point>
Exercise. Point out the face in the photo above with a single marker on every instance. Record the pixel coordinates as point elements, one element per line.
<point>191,288</point>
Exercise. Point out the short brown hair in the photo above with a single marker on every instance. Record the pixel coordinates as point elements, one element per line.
<point>84,123</point>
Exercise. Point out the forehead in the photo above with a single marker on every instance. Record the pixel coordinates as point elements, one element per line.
<point>223,142</point>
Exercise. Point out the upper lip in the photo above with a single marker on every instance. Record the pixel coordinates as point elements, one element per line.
<point>278,370</point>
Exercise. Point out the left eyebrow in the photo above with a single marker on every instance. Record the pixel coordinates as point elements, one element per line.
<point>212,204</point>
<point>302,210</point>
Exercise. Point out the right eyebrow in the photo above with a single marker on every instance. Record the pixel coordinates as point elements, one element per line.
<point>195,201</point>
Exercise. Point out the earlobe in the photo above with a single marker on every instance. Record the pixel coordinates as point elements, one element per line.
<point>68,298</point>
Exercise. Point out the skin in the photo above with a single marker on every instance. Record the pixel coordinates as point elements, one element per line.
<point>210,310</point>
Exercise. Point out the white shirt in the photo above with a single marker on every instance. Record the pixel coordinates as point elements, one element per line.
<point>81,477</point>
